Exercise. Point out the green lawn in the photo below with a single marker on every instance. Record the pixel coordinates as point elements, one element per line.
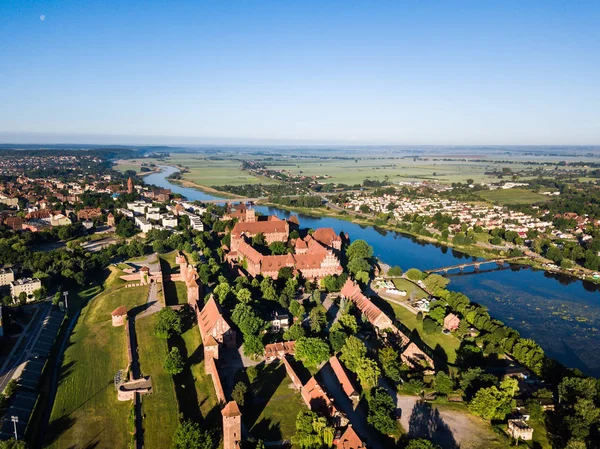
<point>272,404</point>
<point>412,289</point>
<point>175,292</point>
<point>168,264</point>
<point>205,391</point>
<point>159,409</point>
<point>86,412</point>
<point>447,342</point>
<point>513,196</point>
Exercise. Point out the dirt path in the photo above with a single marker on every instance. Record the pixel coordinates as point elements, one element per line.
<point>451,429</point>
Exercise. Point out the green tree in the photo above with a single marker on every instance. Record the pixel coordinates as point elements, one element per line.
<point>189,435</point>
<point>168,324</point>
<point>317,318</point>
<point>435,281</point>
<point>278,248</point>
<point>312,431</point>
<point>381,412</point>
<point>390,362</point>
<point>368,373</point>
<point>244,295</point>
<point>259,239</point>
<point>443,383</point>
<point>311,351</point>
<point>267,289</point>
<point>491,403</point>
<point>244,317</point>
<point>421,443</point>
<point>13,444</point>
<point>253,345</point>
<point>297,309</point>
<point>414,275</point>
<point>359,249</point>
<point>239,393</point>
<point>353,352</point>
<point>222,291</point>
<point>174,363</point>
<point>395,271</point>
<point>294,332</point>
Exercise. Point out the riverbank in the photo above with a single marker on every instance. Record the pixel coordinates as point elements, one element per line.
<point>540,263</point>
<point>205,189</point>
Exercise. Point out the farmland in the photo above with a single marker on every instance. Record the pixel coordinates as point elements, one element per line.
<point>513,196</point>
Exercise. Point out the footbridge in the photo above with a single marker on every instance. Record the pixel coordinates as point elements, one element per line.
<point>476,264</point>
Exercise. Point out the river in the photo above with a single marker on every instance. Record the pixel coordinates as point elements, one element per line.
<point>562,314</point>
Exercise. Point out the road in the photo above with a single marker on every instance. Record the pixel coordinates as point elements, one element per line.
<point>31,333</point>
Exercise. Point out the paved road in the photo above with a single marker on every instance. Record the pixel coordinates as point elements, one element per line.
<point>31,333</point>
<point>154,305</point>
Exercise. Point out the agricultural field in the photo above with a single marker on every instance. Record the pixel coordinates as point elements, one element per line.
<point>86,412</point>
<point>513,196</point>
<point>159,409</point>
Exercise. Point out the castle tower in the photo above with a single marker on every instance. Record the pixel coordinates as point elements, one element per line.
<point>232,425</point>
<point>250,216</point>
<point>130,185</point>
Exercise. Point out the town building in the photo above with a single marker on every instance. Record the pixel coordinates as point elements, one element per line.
<point>349,439</point>
<point>169,221</point>
<point>520,430</point>
<point>344,380</point>
<point>232,425</point>
<point>274,351</point>
<point>311,258</point>
<point>27,285</point>
<point>451,322</point>
<point>274,230</point>
<point>89,213</point>
<point>7,276</point>
<point>119,316</point>
<point>239,212</point>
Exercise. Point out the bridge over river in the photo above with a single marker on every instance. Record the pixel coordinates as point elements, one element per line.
<point>477,264</point>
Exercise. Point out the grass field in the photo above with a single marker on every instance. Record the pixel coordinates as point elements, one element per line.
<point>205,392</point>
<point>412,289</point>
<point>447,342</point>
<point>86,412</point>
<point>272,404</point>
<point>513,196</point>
<point>159,409</point>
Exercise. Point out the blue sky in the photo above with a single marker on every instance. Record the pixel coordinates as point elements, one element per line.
<point>372,71</point>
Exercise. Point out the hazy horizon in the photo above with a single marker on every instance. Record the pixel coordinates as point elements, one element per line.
<point>300,72</point>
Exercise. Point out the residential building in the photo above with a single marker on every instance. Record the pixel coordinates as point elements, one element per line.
<point>27,285</point>
<point>169,221</point>
<point>7,276</point>
<point>275,351</point>
<point>451,322</point>
<point>279,322</point>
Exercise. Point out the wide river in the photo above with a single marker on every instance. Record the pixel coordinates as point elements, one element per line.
<point>562,314</point>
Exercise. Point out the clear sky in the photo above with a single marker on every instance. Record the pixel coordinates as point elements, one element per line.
<point>365,71</point>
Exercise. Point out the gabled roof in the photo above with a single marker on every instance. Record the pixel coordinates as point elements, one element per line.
<point>342,377</point>
<point>231,410</point>
<point>209,317</point>
<point>120,311</point>
<point>257,227</point>
<point>326,236</point>
<point>350,440</point>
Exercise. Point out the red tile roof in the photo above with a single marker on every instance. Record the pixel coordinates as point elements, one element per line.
<point>257,227</point>
<point>231,410</point>
<point>342,377</point>
<point>350,440</point>
<point>120,311</point>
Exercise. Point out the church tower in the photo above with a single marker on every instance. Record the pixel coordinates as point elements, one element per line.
<point>232,425</point>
